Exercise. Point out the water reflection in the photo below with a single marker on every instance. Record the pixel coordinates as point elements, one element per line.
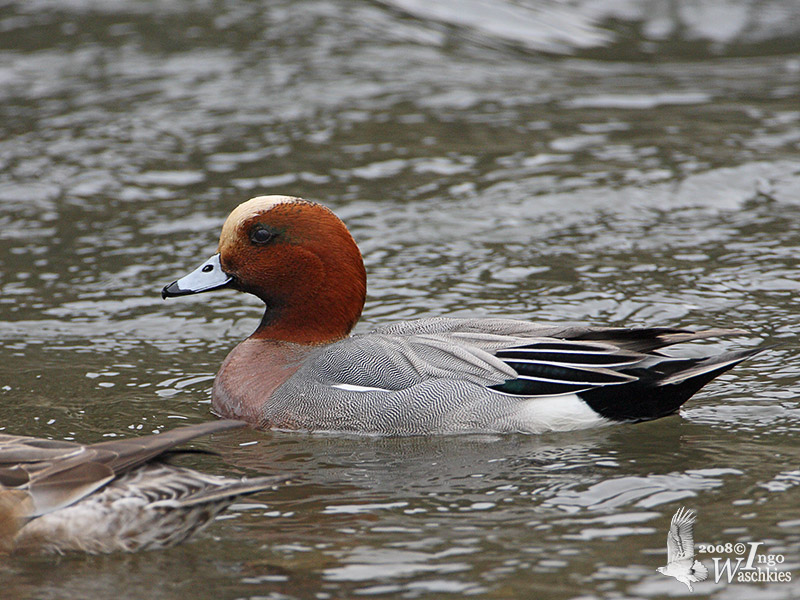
<point>631,163</point>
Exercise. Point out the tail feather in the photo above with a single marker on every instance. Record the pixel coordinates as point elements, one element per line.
<point>660,392</point>
<point>123,455</point>
<point>714,364</point>
<point>699,570</point>
<point>649,339</point>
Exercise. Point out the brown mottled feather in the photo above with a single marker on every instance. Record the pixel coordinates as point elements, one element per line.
<point>58,496</point>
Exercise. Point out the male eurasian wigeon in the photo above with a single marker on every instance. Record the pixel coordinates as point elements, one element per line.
<point>301,370</point>
<point>58,496</point>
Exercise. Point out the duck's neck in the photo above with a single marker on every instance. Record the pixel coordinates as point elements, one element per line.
<point>320,310</point>
<point>322,325</point>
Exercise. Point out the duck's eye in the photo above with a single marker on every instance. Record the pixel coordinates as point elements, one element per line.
<point>261,235</point>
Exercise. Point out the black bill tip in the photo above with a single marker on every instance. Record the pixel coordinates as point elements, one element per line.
<point>206,277</point>
<point>172,290</point>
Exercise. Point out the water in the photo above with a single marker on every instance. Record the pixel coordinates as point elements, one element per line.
<point>629,162</point>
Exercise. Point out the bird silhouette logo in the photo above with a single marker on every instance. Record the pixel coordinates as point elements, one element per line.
<point>680,550</point>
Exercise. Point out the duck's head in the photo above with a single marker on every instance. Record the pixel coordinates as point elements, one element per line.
<point>298,257</point>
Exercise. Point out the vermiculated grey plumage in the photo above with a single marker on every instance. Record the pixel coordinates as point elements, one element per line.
<point>445,375</point>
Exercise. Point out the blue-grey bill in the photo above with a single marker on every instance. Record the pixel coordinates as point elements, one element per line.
<point>208,276</point>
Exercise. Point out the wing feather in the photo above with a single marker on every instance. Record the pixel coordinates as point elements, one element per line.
<point>510,356</point>
<point>680,540</point>
<point>57,474</point>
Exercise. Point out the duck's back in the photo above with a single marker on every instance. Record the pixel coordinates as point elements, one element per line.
<point>488,375</point>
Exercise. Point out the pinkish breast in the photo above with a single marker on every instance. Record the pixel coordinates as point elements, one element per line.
<point>251,373</point>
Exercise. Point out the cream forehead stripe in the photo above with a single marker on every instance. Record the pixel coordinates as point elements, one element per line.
<point>249,209</point>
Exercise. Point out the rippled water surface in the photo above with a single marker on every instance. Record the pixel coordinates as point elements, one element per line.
<point>627,162</point>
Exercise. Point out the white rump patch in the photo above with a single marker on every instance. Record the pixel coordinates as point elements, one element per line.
<point>565,412</point>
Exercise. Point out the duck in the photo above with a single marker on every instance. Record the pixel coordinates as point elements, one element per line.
<point>113,496</point>
<point>302,370</point>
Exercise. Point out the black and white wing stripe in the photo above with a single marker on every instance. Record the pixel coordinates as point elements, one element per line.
<point>616,382</point>
<point>552,367</point>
